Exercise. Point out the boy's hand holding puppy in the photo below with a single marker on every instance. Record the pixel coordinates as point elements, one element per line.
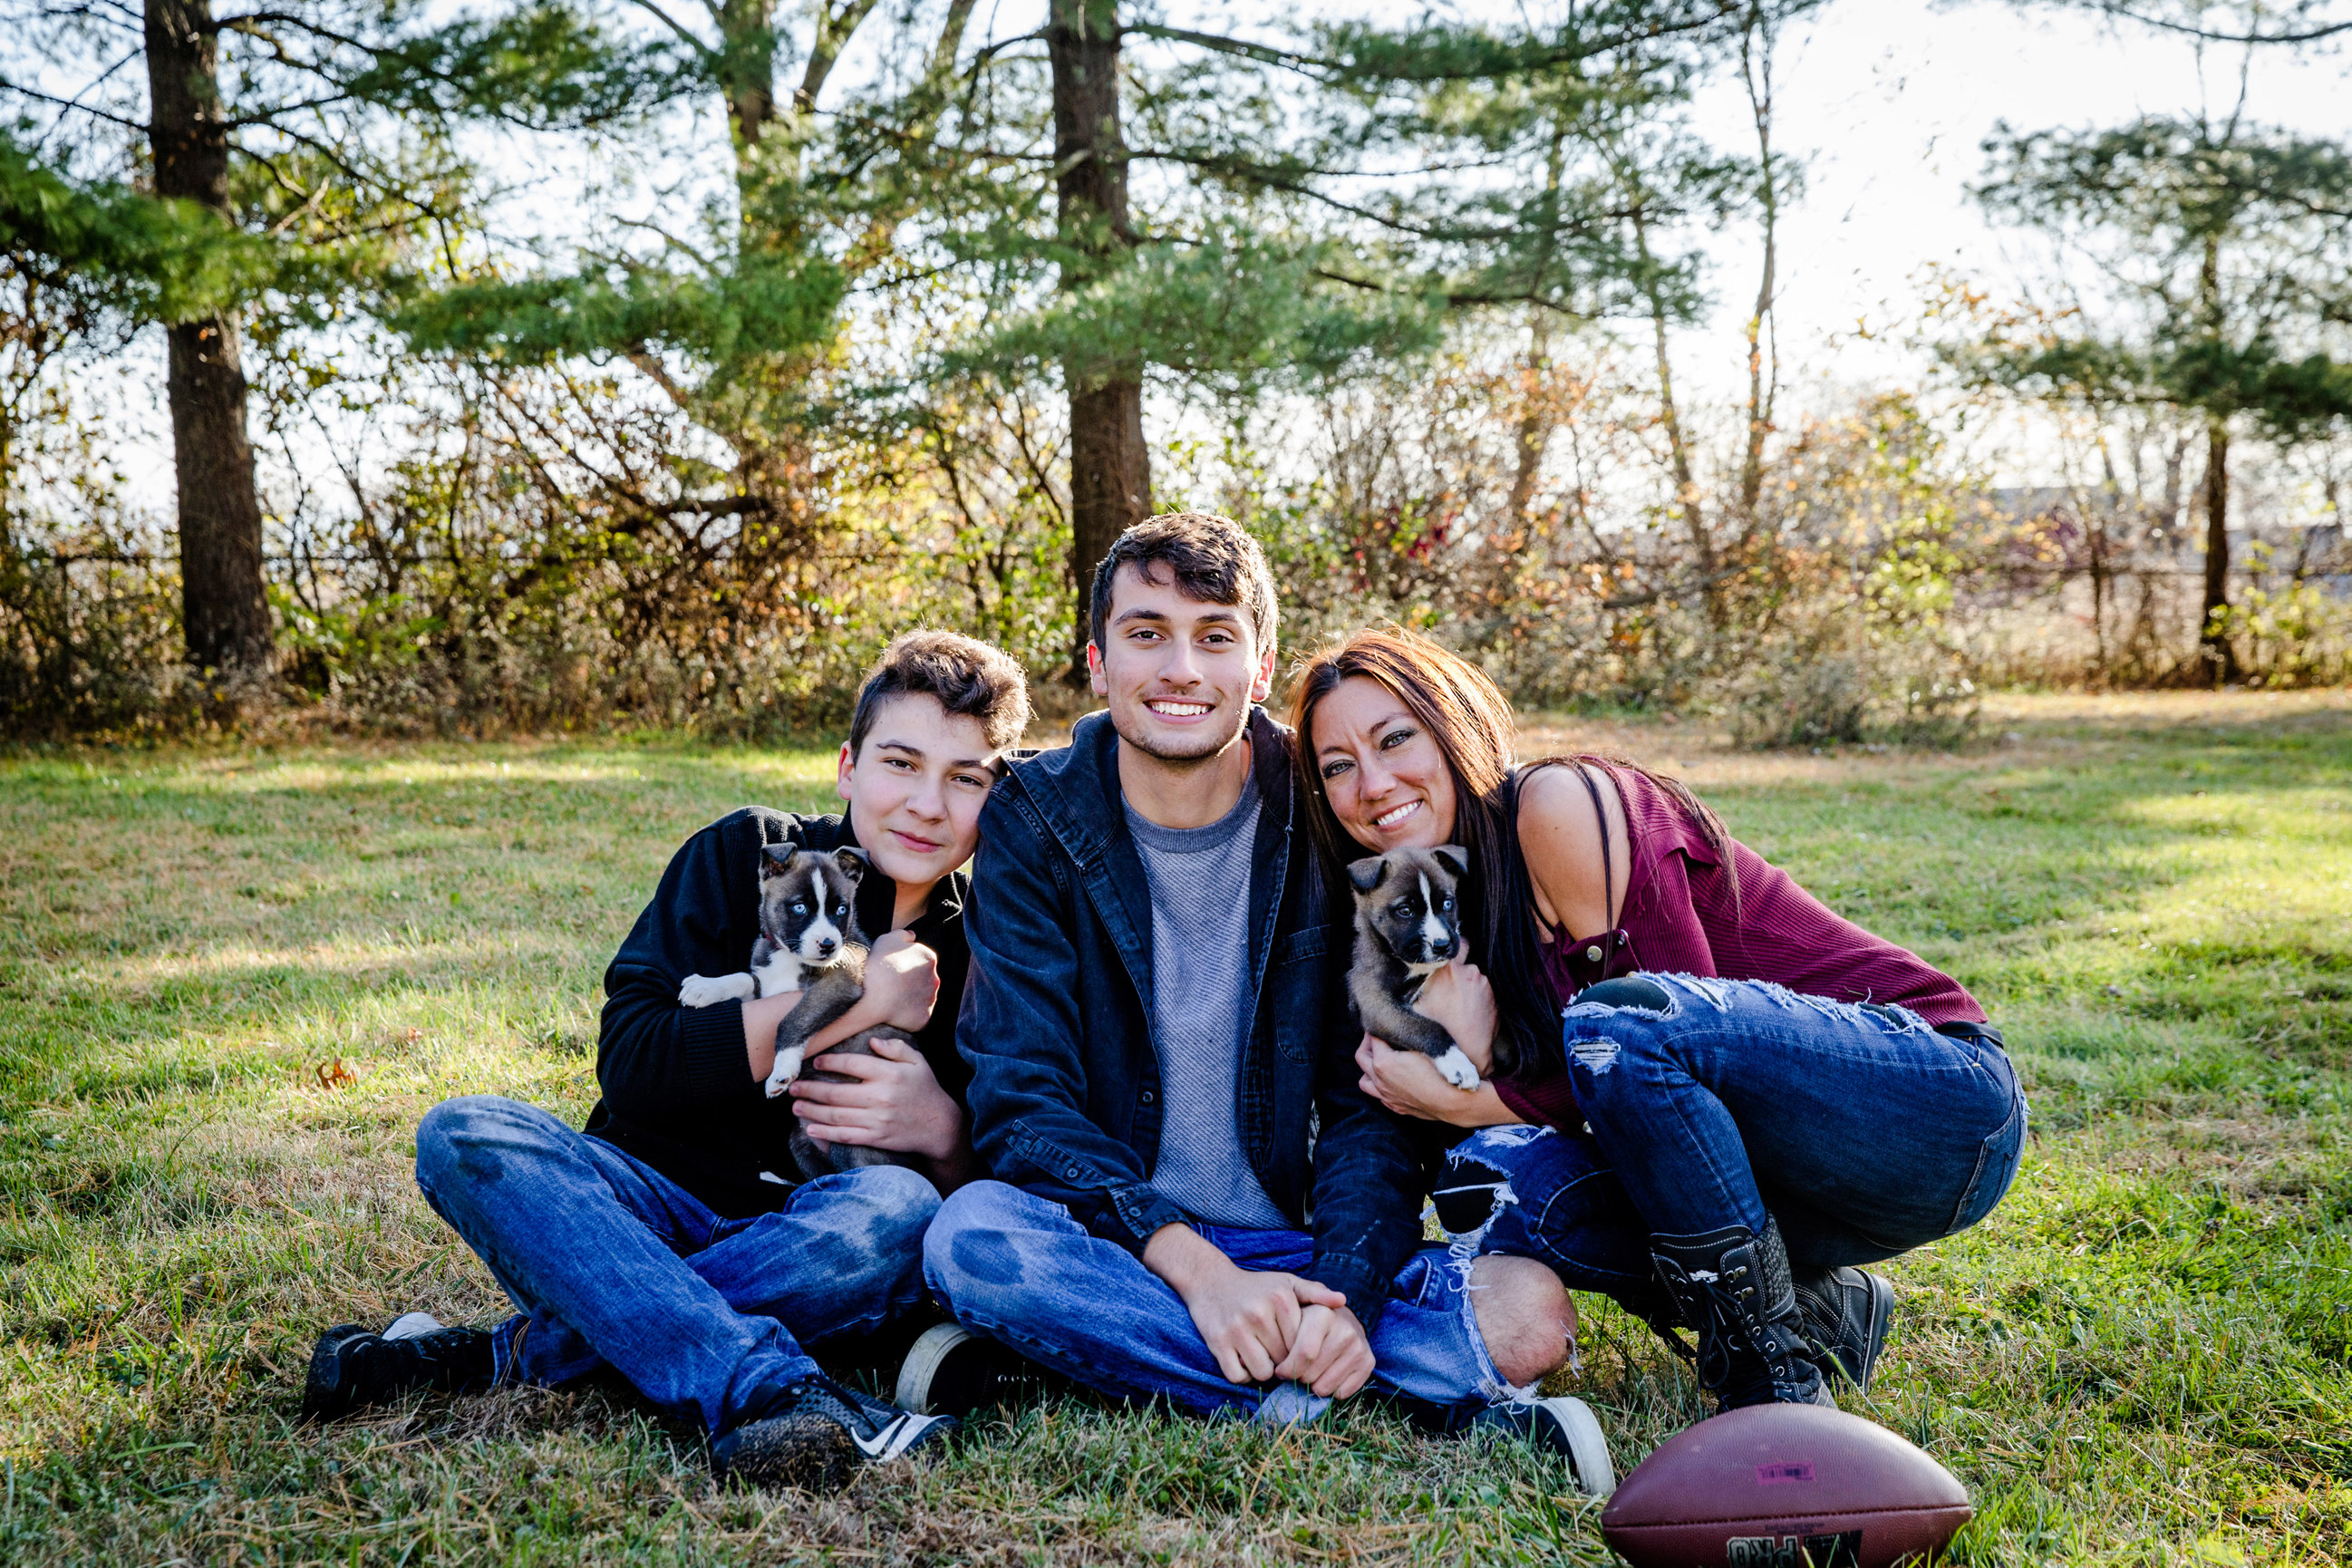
<point>810,951</point>
<point>902,984</point>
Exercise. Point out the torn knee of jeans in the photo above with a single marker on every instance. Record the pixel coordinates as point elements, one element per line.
<point>1471,1198</point>
<point>1635,994</point>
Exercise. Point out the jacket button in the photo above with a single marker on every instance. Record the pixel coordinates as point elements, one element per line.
<point>1147,1096</point>
<point>1072,1173</point>
<point>1593,952</point>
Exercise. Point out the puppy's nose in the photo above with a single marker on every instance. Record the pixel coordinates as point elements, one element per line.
<point>825,945</point>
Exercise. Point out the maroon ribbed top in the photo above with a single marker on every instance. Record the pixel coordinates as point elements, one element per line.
<point>1680,917</point>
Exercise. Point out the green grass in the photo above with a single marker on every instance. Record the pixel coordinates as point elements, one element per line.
<point>2142,1357</point>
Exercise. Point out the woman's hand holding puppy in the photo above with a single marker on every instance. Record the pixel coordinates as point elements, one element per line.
<point>1459,998</point>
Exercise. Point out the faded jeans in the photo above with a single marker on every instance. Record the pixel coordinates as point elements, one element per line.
<point>1864,1132</point>
<point>611,1263</point>
<point>1018,1268</point>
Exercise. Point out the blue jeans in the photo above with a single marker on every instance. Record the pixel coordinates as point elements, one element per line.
<point>1536,1192</point>
<point>611,1263</point>
<point>1711,1103</point>
<point>1019,1269</point>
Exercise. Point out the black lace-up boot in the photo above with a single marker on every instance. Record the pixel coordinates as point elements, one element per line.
<point>1733,1284</point>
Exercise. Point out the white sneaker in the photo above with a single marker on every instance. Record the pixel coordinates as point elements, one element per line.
<point>1560,1426</point>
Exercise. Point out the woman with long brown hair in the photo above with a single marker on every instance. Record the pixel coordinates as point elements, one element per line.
<point>1691,1067</point>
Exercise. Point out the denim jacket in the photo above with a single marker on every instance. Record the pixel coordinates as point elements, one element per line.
<point>1058,1009</point>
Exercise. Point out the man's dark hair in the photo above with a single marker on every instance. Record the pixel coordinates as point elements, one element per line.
<point>1214,559</point>
<point>970,679</point>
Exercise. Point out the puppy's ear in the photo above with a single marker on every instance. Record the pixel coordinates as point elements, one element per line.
<point>852,864</point>
<point>775,860</point>
<point>1366,874</point>
<point>1454,858</point>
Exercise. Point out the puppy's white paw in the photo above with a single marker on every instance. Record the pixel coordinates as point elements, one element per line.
<point>1455,1069</point>
<point>788,1068</point>
<point>702,990</point>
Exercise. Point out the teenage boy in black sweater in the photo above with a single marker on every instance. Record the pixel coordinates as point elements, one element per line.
<point>662,1240</point>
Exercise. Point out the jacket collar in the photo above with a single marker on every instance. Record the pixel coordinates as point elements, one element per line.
<point>1076,787</point>
<point>1077,797</point>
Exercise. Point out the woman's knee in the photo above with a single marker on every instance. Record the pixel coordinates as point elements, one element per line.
<point>1614,1025</point>
<point>1628,992</point>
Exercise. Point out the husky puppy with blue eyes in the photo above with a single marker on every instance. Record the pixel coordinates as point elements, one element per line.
<point>1408,926</point>
<point>809,941</point>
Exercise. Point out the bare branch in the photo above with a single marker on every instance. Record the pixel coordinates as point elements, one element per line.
<point>2124,10</point>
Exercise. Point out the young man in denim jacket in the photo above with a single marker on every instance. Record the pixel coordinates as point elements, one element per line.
<point>1195,1200</point>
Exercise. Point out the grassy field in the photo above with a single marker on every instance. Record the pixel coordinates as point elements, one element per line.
<point>231,981</point>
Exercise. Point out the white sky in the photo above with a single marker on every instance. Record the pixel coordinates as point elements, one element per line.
<point>1890,100</point>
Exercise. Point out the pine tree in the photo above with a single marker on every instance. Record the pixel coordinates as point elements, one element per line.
<point>318,133</point>
<point>2229,246</point>
<point>1322,198</point>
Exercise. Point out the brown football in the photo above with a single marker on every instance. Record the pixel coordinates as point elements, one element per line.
<point>1784,1486</point>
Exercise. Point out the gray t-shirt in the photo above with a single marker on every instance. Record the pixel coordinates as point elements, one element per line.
<point>1201,1006</point>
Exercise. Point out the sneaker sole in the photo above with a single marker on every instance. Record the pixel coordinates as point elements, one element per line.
<point>924,1359</point>
<point>806,1451</point>
<point>1580,1432</point>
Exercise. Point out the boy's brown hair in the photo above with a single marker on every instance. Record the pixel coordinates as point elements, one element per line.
<point>970,679</point>
<point>1214,559</point>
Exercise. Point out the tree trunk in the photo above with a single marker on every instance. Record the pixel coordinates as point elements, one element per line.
<point>1111,471</point>
<point>746,72</point>
<point>223,605</point>
<point>2211,633</point>
<point>1677,444</point>
<point>1756,71</point>
<point>1535,420</point>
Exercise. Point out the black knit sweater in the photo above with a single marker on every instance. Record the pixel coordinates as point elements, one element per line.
<point>678,1089</point>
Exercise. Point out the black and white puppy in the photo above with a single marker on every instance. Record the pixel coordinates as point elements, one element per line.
<point>810,941</point>
<point>1408,926</point>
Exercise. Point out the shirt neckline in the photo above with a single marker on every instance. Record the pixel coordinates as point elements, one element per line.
<point>1192,840</point>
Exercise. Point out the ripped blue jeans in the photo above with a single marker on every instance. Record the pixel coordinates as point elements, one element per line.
<point>1863,1130</point>
<point>1018,1268</point>
<point>611,1263</point>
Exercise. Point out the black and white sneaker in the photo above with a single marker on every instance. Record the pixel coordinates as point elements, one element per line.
<point>951,1371</point>
<point>1845,1313</point>
<point>813,1433</point>
<point>1558,1426</point>
<point>352,1367</point>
